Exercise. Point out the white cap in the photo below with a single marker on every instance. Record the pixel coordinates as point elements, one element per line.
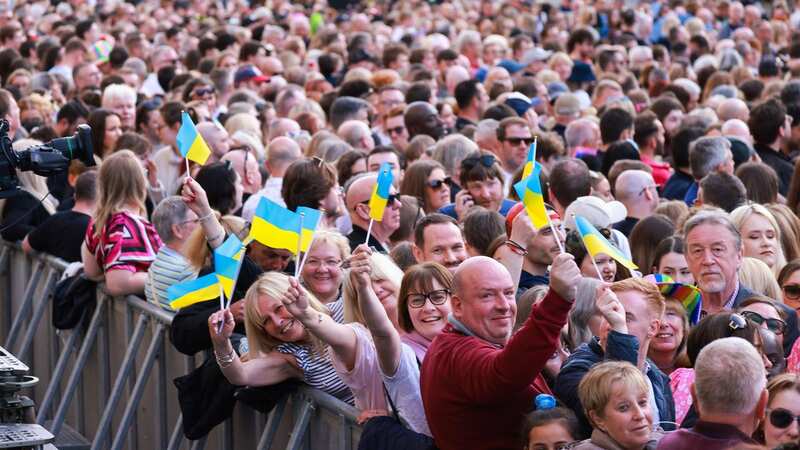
<point>599,213</point>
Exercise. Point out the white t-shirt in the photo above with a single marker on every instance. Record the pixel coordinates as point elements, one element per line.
<point>403,387</point>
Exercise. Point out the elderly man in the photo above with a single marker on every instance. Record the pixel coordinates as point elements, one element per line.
<point>732,108</point>
<point>246,166</point>
<point>475,389</point>
<point>438,238</point>
<point>730,394</point>
<point>713,249</point>
<point>281,153</point>
<point>121,99</point>
<point>357,196</point>
<point>706,155</point>
<point>422,118</point>
<point>357,134</point>
<point>637,190</point>
<point>632,311</point>
<point>216,137</point>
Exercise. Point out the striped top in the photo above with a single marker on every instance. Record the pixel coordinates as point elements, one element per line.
<point>169,268</point>
<point>127,242</point>
<point>318,372</point>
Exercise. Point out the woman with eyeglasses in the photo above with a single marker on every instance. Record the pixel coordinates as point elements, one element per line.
<point>782,425</point>
<point>426,180</point>
<point>709,329</point>
<point>321,273</point>
<point>605,264</point>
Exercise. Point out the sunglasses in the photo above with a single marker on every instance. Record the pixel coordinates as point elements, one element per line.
<point>202,92</point>
<point>782,418</point>
<point>395,130</point>
<point>777,326</point>
<point>517,141</point>
<point>792,291</point>
<point>437,297</point>
<point>389,200</point>
<point>484,160</point>
<point>438,184</point>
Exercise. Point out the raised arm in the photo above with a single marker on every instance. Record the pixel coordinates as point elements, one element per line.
<point>521,233</point>
<point>259,370</point>
<point>384,335</point>
<point>195,198</point>
<point>341,338</point>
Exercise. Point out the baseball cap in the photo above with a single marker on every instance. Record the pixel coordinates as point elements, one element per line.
<point>599,213</point>
<point>581,72</point>
<point>567,104</point>
<point>249,72</point>
<point>519,102</point>
<point>535,54</point>
<point>555,89</point>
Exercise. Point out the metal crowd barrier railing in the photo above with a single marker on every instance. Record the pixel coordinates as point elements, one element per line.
<point>78,400</point>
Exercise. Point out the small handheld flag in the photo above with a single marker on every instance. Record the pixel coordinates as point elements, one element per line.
<point>190,143</point>
<point>531,160</point>
<point>227,260</point>
<point>311,219</point>
<point>275,226</point>
<point>529,191</point>
<point>380,195</point>
<point>194,291</point>
<point>595,243</point>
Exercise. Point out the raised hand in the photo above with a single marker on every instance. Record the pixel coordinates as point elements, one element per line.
<point>219,338</point>
<point>360,267</point>
<point>611,308</point>
<point>464,202</point>
<point>195,197</point>
<point>522,230</point>
<point>295,300</point>
<point>564,276</point>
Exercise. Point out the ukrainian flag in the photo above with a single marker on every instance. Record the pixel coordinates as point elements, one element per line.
<point>232,247</point>
<point>529,191</point>
<point>311,218</point>
<point>195,291</point>
<point>380,195</point>
<point>227,260</point>
<point>595,243</point>
<point>190,143</point>
<point>275,226</point>
<point>531,161</point>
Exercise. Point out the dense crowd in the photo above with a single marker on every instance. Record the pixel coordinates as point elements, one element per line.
<point>672,127</point>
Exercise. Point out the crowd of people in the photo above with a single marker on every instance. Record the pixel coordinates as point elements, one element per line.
<point>672,127</point>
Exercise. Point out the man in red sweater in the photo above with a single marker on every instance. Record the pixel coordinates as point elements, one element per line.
<point>478,381</point>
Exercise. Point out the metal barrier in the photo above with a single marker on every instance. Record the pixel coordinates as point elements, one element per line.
<point>76,396</point>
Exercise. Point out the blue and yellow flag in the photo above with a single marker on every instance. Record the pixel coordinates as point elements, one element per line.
<point>380,195</point>
<point>194,291</point>
<point>595,243</point>
<point>190,143</point>
<point>275,226</point>
<point>531,161</point>
<point>227,260</point>
<point>529,191</point>
<point>311,218</point>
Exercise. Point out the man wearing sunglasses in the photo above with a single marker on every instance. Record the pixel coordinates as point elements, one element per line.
<point>515,138</point>
<point>730,395</point>
<point>481,178</point>
<point>357,196</point>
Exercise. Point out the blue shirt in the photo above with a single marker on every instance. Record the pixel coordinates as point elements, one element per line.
<point>450,209</point>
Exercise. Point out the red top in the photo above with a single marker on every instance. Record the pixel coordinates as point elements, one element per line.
<point>661,170</point>
<point>127,242</point>
<point>475,395</point>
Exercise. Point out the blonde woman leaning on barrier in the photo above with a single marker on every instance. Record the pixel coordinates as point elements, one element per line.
<point>280,347</point>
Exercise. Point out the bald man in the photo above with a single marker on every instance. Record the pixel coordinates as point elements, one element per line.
<point>245,164</point>
<point>281,153</point>
<point>422,118</point>
<point>637,190</point>
<point>282,127</point>
<point>357,134</point>
<point>732,108</point>
<point>474,389</point>
<point>217,139</point>
<point>737,128</point>
<point>357,199</point>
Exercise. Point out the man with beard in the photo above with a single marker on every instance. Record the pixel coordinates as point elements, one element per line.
<point>540,249</point>
<point>437,238</point>
<point>481,180</point>
<point>422,118</point>
<point>649,136</point>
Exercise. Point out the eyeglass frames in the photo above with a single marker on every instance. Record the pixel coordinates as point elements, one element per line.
<point>438,184</point>
<point>437,297</point>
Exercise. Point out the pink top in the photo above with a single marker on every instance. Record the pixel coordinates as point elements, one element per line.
<point>126,242</point>
<point>366,379</point>
<point>661,170</point>
<point>793,361</point>
<point>681,380</point>
<point>418,343</point>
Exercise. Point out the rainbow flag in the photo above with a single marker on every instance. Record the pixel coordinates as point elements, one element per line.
<point>531,161</point>
<point>595,243</point>
<point>102,50</point>
<point>380,195</point>
<point>311,219</point>
<point>529,191</point>
<point>688,295</point>
<point>275,226</point>
<point>227,260</point>
<point>190,143</point>
<point>194,291</point>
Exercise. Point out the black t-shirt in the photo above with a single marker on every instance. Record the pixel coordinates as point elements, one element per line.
<point>61,235</point>
<point>21,214</point>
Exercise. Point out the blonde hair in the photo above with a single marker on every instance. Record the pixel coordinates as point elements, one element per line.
<point>383,268</point>
<point>596,387</point>
<point>196,245</point>
<point>756,275</point>
<point>120,182</point>
<point>740,215</point>
<point>649,290</point>
<point>274,285</point>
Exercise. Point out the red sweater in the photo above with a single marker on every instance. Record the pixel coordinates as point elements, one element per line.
<point>475,395</point>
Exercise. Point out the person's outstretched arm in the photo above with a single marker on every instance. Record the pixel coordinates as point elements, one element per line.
<point>195,198</point>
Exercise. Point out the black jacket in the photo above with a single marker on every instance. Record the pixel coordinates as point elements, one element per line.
<point>778,161</point>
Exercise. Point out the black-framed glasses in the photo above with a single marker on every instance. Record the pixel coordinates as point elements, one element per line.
<point>437,297</point>
<point>777,326</point>
<point>516,141</point>
<point>438,184</point>
<point>791,291</point>
<point>737,322</point>
<point>782,418</point>
<point>484,160</point>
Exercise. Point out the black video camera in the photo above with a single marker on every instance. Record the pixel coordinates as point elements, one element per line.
<point>47,159</point>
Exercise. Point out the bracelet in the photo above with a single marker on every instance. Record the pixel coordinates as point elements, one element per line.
<point>206,217</point>
<point>215,238</point>
<point>225,360</point>
<point>516,247</point>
